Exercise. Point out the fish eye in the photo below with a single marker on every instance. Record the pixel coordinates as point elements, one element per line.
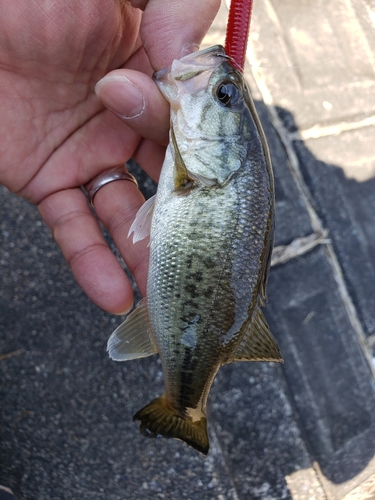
<point>227,93</point>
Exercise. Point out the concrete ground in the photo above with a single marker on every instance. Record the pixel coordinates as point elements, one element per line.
<point>302,431</point>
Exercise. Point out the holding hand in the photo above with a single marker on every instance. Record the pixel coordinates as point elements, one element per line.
<point>57,135</point>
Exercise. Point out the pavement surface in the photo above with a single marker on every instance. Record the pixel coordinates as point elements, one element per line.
<point>301,431</point>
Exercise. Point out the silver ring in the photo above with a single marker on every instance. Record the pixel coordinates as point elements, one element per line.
<point>112,174</point>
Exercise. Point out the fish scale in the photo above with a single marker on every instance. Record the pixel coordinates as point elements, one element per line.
<point>210,244</point>
<point>189,301</point>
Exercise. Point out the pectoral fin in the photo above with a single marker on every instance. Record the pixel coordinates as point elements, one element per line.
<point>258,343</point>
<point>132,339</point>
<point>142,223</point>
<point>182,180</point>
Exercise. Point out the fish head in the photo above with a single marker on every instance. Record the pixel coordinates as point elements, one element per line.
<point>210,116</point>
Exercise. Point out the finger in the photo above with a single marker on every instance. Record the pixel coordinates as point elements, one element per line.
<point>169,27</point>
<point>116,205</point>
<point>94,266</point>
<point>150,157</point>
<point>101,143</point>
<point>139,61</point>
<point>136,100</point>
<point>139,4</point>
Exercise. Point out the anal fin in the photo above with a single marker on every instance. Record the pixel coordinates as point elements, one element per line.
<point>132,339</point>
<point>258,343</point>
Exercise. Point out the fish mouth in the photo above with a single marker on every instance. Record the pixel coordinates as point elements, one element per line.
<point>199,61</point>
<point>191,71</point>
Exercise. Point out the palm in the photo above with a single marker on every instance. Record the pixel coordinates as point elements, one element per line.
<point>48,77</point>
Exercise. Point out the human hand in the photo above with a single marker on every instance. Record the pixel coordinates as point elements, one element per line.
<point>57,135</point>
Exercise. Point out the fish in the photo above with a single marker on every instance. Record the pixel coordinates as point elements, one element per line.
<point>211,226</point>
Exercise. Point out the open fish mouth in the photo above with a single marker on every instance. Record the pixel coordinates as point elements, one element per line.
<point>190,64</point>
<point>191,73</point>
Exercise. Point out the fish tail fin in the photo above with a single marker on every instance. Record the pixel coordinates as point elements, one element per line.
<point>161,418</point>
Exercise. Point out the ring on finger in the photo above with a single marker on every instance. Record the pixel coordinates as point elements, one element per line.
<point>118,173</point>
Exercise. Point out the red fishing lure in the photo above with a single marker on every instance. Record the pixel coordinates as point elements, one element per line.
<point>238,31</point>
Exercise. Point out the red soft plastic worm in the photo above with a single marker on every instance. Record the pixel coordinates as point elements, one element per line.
<point>238,31</point>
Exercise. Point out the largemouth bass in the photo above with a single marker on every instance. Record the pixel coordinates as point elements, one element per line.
<point>211,240</point>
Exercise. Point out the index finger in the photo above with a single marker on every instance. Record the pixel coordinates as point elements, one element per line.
<point>170,27</point>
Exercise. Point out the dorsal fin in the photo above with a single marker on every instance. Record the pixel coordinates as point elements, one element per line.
<point>258,343</point>
<point>132,339</point>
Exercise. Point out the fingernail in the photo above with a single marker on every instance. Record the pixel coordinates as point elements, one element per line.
<point>122,313</point>
<point>121,96</point>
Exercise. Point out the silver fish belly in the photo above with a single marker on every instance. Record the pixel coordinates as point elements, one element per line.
<point>210,245</point>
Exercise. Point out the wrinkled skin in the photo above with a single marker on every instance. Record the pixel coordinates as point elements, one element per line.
<point>57,134</point>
